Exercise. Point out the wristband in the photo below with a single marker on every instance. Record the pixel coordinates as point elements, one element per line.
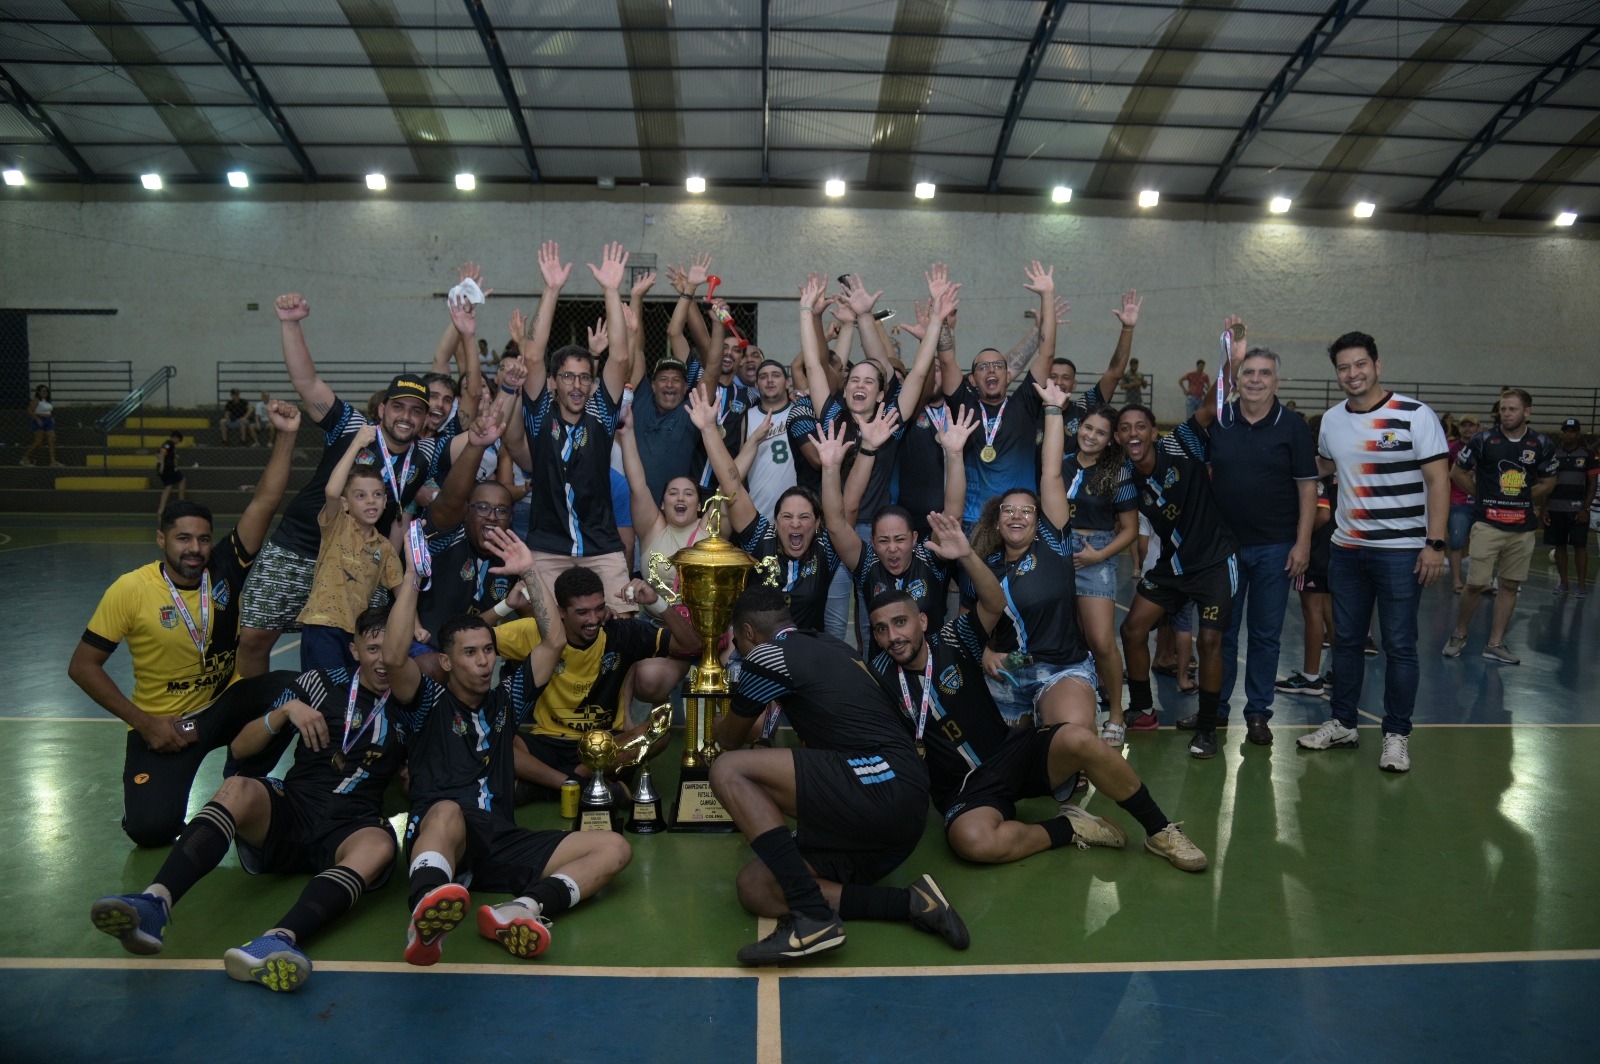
<point>503,609</point>
<point>266,721</point>
<point>1052,410</point>
<point>656,608</point>
<point>805,308</point>
<point>510,391</point>
<point>867,451</point>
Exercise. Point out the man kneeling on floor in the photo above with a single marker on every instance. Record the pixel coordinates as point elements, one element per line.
<point>325,817</point>
<point>462,764</point>
<point>857,788</point>
<point>978,767</point>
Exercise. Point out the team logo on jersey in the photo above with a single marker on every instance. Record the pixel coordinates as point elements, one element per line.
<point>1388,440</point>
<point>169,617</point>
<point>922,421</point>
<point>809,568</point>
<point>459,726</point>
<point>950,680</point>
<point>220,595</point>
<point>1038,438</point>
<point>1512,481</point>
<point>1171,478</point>
<point>917,589</point>
<point>580,436</point>
<point>561,666</point>
<point>610,661</point>
<point>1026,565</point>
<point>1527,457</point>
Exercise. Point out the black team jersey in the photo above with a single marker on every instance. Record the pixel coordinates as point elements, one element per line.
<point>345,780</point>
<point>832,700</point>
<point>1175,496</point>
<point>569,485</point>
<point>963,726</point>
<point>876,495</point>
<point>462,753</point>
<point>1016,443</point>
<point>801,426</point>
<point>429,459</point>
<point>1090,511</point>
<point>926,579</point>
<point>921,466</point>
<point>1041,599</point>
<point>462,582</point>
<point>1504,473</point>
<point>804,580</point>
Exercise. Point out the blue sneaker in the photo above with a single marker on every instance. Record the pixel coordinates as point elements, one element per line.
<point>271,960</point>
<point>136,920</point>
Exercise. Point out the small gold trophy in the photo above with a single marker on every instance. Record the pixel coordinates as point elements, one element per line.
<point>711,574</point>
<point>597,805</point>
<point>646,818</point>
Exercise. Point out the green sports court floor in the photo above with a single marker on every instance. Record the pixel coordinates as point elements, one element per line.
<point>1450,913</point>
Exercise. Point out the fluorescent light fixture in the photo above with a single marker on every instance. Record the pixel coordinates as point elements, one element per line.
<point>150,181</point>
<point>377,182</point>
<point>925,190</point>
<point>1564,218</point>
<point>238,179</point>
<point>1149,198</point>
<point>14,177</point>
<point>606,182</point>
<point>696,185</point>
<point>1279,205</point>
<point>466,182</point>
<point>1061,194</point>
<point>834,187</point>
<point>1365,209</point>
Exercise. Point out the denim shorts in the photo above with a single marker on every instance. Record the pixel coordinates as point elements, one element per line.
<point>1099,580</point>
<point>1460,525</point>
<point>1017,700</point>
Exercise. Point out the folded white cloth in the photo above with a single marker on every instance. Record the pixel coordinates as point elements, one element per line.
<point>468,288</point>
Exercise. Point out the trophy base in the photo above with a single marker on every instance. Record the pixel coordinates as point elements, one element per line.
<point>595,820</point>
<point>696,808</point>
<point>646,818</point>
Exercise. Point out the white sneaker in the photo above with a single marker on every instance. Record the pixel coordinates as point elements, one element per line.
<point>1330,735</point>
<point>1396,753</point>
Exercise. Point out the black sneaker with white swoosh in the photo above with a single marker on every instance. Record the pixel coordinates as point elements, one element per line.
<point>794,939</point>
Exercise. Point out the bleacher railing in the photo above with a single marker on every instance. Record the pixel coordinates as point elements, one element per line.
<point>1552,404</point>
<point>351,381</point>
<point>113,418</point>
<point>74,381</point>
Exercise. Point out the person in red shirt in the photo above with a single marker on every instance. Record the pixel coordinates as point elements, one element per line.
<point>1193,385</point>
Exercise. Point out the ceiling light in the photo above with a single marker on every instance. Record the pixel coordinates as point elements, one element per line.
<point>1564,218</point>
<point>238,179</point>
<point>1365,209</point>
<point>377,182</point>
<point>834,187</point>
<point>1061,194</point>
<point>1149,198</point>
<point>925,190</point>
<point>150,181</point>
<point>14,177</point>
<point>466,182</point>
<point>696,185</point>
<point>606,182</point>
<point>1279,205</point>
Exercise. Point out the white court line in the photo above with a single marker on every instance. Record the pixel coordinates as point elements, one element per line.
<point>769,1008</point>
<point>1369,716</point>
<point>286,647</point>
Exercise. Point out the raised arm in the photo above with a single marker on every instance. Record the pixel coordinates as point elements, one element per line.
<point>699,334</point>
<point>749,451</point>
<point>610,273</point>
<point>677,343</point>
<point>646,513</point>
<point>1128,315</point>
<point>450,505</point>
<point>405,679</point>
<point>704,405</point>
<point>333,491</point>
<point>959,426</point>
<point>1052,490</point>
<point>812,348</point>
<point>516,560</point>
<point>308,384</point>
<point>257,516</point>
<point>1042,282</point>
<point>1234,326</point>
<point>831,448</point>
<point>535,348</point>
<point>875,432</point>
<point>861,302</point>
<point>949,543</point>
<point>912,392</point>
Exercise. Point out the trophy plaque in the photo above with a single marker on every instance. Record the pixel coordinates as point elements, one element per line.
<point>597,805</point>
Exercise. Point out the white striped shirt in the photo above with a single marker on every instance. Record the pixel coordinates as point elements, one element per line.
<point>1383,497</point>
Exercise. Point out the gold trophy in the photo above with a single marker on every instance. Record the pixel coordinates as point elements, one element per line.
<point>597,805</point>
<point>711,574</point>
<point>646,818</point>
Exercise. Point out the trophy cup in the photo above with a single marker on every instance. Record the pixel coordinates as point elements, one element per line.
<point>597,805</point>
<point>646,818</point>
<point>711,573</point>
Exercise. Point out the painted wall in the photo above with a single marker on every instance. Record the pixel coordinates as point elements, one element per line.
<point>1490,309</point>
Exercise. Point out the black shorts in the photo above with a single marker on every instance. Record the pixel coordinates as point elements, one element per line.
<point>563,756</point>
<point>299,840</point>
<point>502,857</point>
<point>860,819</point>
<point>1567,530</point>
<point>1313,582</point>
<point>1019,769</point>
<point>1211,590</point>
<point>169,479</point>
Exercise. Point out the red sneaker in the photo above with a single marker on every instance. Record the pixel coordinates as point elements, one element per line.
<point>1142,720</point>
<point>439,912</point>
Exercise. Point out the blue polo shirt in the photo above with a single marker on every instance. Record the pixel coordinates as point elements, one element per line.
<point>1254,468</point>
<point>667,440</point>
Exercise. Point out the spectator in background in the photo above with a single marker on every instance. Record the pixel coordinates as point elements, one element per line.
<point>1566,514</point>
<point>1193,385</point>
<point>41,418</point>
<point>167,470</point>
<point>1460,505</point>
<point>236,416</point>
<point>486,360</point>
<point>1133,384</point>
<point>263,423</point>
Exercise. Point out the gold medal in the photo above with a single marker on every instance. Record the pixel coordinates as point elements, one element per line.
<point>338,762</point>
<point>922,749</point>
<point>988,453</point>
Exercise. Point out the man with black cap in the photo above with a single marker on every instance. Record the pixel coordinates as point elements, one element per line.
<point>1566,515</point>
<point>667,440</point>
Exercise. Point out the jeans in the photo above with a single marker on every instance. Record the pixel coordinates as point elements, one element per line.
<point>1017,699</point>
<point>1100,580</point>
<point>1264,592</point>
<point>1191,403</point>
<point>837,617</point>
<point>1358,578</point>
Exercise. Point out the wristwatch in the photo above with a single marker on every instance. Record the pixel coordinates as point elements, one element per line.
<point>1436,544</point>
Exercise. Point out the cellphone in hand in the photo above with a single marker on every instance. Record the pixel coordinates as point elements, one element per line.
<point>188,726</point>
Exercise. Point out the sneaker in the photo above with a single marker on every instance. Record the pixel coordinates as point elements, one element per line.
<point>440,912</point>
<point>1453,645</point>
<point>933,913</point>
<point>1203,746</point>
<point>271,960</point>
<point>1142,720</point>
<point>1300,685</point>
<point>1257,730</point>
<point>1330,735</point>
<point>1371,649</point>
<point>523,931</point>
<point>136,920</point>
<point>1582,592</point>
<point>1396,755</point>
<point>796,938</point>
<point>1170,842</point>
<point>1090,830</point>
<point>1192,721</point>
<point>1498,652</point>
<point>1561,589</point>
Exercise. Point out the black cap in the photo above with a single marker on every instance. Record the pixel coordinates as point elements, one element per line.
<point>1571,423</point>
<point>407,386</point>
<point>669,363</point>
<point>772,362</point>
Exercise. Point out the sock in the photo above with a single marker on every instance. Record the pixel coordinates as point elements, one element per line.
<point>430,870</point>
<point>1059,828</point>
<point>874,903</point>
<point>554,895</point>
<point>327,897</point>
<point>1208,710</point>
<point>201,847</point>
<point>1312,676</point>
<point>1144,809</point>
<point>1139,695</point>
<point>778,852</point>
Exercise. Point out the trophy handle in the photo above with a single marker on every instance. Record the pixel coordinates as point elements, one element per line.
<point>657,581</point>
<point>768,568</point>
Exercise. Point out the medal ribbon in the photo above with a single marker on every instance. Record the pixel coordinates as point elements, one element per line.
<point>1077,482</point>
<point>940,416</point>
<point>397,486</point>
<point>203,632</point>
<point>482,565</point>
<point>990,430</point>
<point>1224,372</point>
<point>349,740</point>
<point>421,558</point>
<point>927,694</point>
<point>772,721</point>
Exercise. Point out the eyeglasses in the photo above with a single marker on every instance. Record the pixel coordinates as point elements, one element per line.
<point>487,511</point>
<point>982,367</point>
<point>1009,510</point>
<point>570,378</point>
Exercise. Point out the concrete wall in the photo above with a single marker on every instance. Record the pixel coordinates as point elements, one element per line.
<point>1514,306</point>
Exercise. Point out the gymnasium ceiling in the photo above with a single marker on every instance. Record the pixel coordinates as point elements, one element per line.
<point>1475,107</point>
